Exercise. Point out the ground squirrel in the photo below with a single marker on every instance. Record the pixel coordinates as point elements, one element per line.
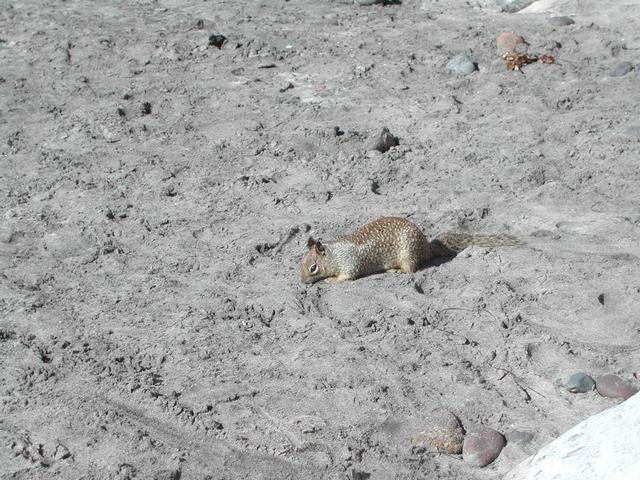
<point>388,244</point>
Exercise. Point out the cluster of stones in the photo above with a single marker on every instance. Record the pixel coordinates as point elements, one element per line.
<point>611,386</point>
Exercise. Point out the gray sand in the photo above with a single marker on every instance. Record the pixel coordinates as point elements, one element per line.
<point>153,322</point>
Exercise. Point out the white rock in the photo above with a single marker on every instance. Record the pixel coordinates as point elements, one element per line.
<point>605,446</point>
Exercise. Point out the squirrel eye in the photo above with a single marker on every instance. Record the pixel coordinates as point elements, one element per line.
<point>313,268</point>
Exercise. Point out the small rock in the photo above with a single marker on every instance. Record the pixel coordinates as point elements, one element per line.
<point>621,69</point>
<point>62,452</point>
<point>482,447</point>
<point>338,132</point>
<point>512,6</point>
<point>169,191</point>
<point>146,108</point>
<point>613,386</point>
<point>580,383</point>
<point>444,432</point>
<point>510,42</point>
<point>461,65</point>
<point>519,437</point>
<point>217,40</point>
<point>288,86</point>
<point>359,475</point>
<point>384,141</point>
<point>561,21</point>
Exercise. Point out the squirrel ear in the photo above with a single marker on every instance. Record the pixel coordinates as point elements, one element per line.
<point>311,242</point>
<point>319,247</point>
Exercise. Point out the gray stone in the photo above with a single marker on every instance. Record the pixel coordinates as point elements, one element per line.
<point>621,69</point>
<point>519,437</point>
<point>561,21</point>
<point>511,6</point>
<point>580,383</point>
<point>613,386</point>
<point>461,65</point>
<point>482,446</point>
<point>578,453</point>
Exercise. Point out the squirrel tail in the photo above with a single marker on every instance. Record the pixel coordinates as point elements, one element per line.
<point>450,244</point>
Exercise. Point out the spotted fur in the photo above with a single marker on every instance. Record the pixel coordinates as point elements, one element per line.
<point>386,244</point>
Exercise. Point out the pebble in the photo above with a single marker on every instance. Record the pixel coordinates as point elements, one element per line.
<point>461,65</point>
<point>621,69</point>
<point>512,6</point>
<point>482,446</point>
<point>445,431</point>
<point>561,21</point>
<point>217,40</point>
<point>519,437</point>
<point>510,42</point>
<point>613,386</point>
<point>384,141</point>
<point>580,383</point>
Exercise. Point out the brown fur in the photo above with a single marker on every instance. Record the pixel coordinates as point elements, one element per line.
<point>386,244</point>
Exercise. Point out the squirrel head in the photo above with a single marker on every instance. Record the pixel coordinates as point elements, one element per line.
<point>314,262</point>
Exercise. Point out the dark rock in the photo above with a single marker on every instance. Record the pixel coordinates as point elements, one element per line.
<point>146,108</point>
<point>621,69</point>
<point>384,141</point>
<point>561,21</point>
<point>337,131</point>
<point>217,40</point>
<point>482,446</point>
<point>358,475</point>
<point>461,65</point>
<point>613,386</point>
<point>580,383</point>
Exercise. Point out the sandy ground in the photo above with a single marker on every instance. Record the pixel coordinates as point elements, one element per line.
<point>158,193</point>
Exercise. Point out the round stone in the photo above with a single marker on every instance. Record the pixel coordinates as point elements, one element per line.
<point>482,446</point>
<point>461,65</point>
<point>443,432</point>
<point>561,21</point>
<point>613,386</point>
<point>580,383</point>
<point>510,42</point>
<point>621,69</point>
